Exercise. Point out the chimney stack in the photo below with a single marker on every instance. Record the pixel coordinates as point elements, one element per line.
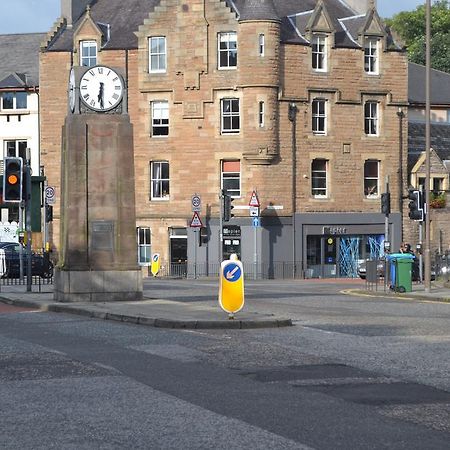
<point>71,10</point>
<point>361,6</point>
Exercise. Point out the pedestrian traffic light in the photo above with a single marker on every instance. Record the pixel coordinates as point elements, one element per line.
<point>12,179</point>
<point>415,205</point>
<point>48,213</point>
<point>386,203</point>
<point>227,207</point>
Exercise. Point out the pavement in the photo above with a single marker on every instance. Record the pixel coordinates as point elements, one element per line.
<point>439,292</point>
<point>167,313</point>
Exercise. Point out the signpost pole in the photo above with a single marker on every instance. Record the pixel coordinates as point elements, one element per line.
<point>195,252</point>
<point>254,213</point>
<point>255,255</point>
<point>220,228</point>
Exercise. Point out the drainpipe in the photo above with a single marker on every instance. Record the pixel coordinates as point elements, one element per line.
<point>292,116</point>
<point>400,115</point>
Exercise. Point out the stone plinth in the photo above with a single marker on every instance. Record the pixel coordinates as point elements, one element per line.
<point>98,257</point>
<point>97,285</point>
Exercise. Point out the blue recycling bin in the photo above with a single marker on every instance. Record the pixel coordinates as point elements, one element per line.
<point>401,271</point>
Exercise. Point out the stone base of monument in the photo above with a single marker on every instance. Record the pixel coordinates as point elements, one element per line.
<point>97,285</point>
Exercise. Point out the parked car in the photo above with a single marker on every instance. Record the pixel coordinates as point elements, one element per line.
<point>10,266</point>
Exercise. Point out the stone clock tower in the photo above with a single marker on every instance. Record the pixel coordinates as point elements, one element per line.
<point>98,253</point>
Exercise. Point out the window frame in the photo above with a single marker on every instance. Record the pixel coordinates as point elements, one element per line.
<point>231,115</point>
<point>159,108</point>
<point>158,180</point>
<point>89,43</point>
<point>147,246</point>
<point>368,178</point>
<point>371,120</point>
<point>14,100</point>
<point>261,44</point>
<point>317,116</point>
<point>231,175</point>
<point>371,55</point>
<point>158,54</point>
<point>19,148</point>
<point>319,57</point>
<point>315,175</point>
<point>261,114</point>
<point>227,51</point>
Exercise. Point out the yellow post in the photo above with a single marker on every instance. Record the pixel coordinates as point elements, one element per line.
<point>231,288</point>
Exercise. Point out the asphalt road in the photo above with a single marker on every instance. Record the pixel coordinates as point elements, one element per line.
<point>353,373</point>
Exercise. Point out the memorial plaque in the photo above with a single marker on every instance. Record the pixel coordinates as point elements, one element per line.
<point>102,235</point>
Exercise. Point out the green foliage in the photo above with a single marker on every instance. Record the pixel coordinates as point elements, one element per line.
<point>411,28</point>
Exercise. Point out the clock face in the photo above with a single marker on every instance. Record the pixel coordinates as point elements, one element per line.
<point>72,90</point>
<point>101,88</point>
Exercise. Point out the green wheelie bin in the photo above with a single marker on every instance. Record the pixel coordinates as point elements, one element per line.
<point>401,271</point>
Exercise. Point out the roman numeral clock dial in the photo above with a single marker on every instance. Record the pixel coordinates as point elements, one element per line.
<point>101,88</point>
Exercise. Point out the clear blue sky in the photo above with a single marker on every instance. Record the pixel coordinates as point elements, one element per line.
<point>29,16</point>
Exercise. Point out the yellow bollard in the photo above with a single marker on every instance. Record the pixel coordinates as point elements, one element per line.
<point>231,287</point>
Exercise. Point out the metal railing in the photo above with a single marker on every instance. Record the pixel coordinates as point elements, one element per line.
<point>269,271</point>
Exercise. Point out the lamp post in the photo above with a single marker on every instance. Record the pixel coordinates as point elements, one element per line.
<point>427,147</point>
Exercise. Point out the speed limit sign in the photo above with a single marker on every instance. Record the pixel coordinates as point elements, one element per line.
<point>196,203</point>
<point>50,195</point>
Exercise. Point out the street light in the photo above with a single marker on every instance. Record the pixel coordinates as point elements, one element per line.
<point>427,146</point>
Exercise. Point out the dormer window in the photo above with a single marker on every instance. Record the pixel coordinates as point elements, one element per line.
<point>371,58</point>
<point>88,53</point>
<point>319,52</point>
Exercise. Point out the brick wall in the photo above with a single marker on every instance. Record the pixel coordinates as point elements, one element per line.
<point>193,86</point>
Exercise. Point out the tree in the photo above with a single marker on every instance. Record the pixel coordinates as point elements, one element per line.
<point>411,28</point>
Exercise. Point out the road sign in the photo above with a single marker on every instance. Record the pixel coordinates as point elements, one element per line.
<point>155,264</point>
<point>256,222</point>
<point>254,201</point>
<point>50,195</point>
<point>231,290</point>
<point>196,221</point>
<point>196,203</point>
<point>254,211</point>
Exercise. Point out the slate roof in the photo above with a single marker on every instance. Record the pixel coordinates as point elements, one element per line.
<point>19,59</point>
<point>440,85</point>
<point>440,141</point>
<point>125,16</point>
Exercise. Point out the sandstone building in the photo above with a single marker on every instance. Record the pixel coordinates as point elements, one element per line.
<point>303,102</point>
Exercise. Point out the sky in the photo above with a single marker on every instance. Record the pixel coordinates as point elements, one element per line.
<point>32,16</point>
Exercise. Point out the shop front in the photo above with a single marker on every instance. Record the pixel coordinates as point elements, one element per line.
<point>335,244</point>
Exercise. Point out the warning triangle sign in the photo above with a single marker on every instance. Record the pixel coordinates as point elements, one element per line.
<point>196,221</point>
<point>253,200</point>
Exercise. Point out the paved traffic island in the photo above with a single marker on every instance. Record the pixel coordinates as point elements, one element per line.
<point>153,312</point>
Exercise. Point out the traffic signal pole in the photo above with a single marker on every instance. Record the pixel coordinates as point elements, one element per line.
<point>28,216</point>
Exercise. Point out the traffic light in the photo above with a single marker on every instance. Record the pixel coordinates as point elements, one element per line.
<point>415,205</point>
<point>48,213</point>
<point>386,203</point>
<point>227,207</point>
<point>12,179</point>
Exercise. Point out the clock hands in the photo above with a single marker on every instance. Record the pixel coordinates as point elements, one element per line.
<point>101,95</point>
